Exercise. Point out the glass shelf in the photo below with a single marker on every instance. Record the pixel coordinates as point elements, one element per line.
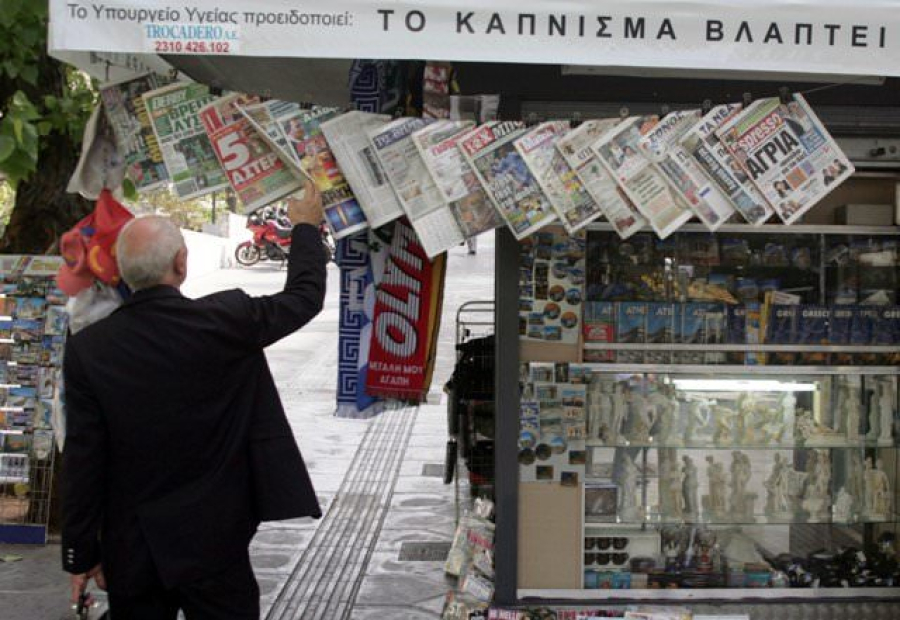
<point>656,519</point>
<point>848,445</point>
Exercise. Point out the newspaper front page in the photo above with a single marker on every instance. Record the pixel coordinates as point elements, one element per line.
<point>491,152</point>
<point>615,205</point>
<point>787,153</point>
<point>127,114</point>
<point>575,207</point>
<point>257,174</point>
<point>347,136</point>
<point>723,168</point>
<point>619,151</point>
<point>297,135</point>
<point>189,157</point>
<point>429,215</point>
<point>456,181</point>
<point>662,145</point>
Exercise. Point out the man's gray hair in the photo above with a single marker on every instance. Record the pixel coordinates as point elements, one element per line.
<point>145,260</point>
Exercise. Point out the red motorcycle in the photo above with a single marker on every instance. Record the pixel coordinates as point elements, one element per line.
<point>271,239</point>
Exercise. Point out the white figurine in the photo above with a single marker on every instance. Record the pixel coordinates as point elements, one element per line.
<point>641,419</point>
<point>690,485</point>
<point>619,407</point>
<point>628,502</point>
<point>698,419</point>
<point>718,487</point>
<point>741,501</point>
<point>856,484</point>
<point>665,406</point>
<point>818,483</point>
<point>599,410</point>
<point>776,502</point>
<point>842,511</point>
<point>724,418</point>
<point>878,499</point>
<point>670,491</point>
<point>886,411</point>
<point>874,416</point>
<point>851,411</point>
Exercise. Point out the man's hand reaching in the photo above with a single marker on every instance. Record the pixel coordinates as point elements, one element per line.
<point>306,210</point>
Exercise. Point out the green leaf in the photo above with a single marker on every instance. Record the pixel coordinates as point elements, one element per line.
<point>7,147</point>
<point>29,73</point>
<point>50,101</point>
<point>129,190</point>
<point>11,69</point>
<point>19,128</point>
<point>44,128</point>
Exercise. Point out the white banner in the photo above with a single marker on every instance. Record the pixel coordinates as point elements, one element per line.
<point>851,37</point>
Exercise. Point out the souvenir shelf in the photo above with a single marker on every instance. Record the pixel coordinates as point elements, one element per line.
<point>728,465</point>
<point>33,325</point>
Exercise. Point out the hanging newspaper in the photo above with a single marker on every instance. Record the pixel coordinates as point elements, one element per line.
<point>429,215</point>
<point>491,152</point>
<point>137,144</point>
<point>456,181</point>
<point>723,168</point>
<point>257,174</point>
<point>190,159</point>
<point>618,150</point>
<point>662,146</point>
<point>347,135</point>
<point>787,153</point>
<point>297,136</point>
<point>262,117</point>
<point>575,207</point>
<point>614,204</point>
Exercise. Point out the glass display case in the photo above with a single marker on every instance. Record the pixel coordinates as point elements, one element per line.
<point>730,418</point>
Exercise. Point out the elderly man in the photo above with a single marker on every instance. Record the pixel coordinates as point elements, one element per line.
<point>177,444</point>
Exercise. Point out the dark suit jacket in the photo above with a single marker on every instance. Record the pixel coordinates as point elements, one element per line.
<point>177,443</point>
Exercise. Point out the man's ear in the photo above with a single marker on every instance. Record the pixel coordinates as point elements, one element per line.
<point>180,264</point>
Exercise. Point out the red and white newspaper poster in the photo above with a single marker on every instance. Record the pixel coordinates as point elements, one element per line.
<point>787,153</point>
<point>257,174</point>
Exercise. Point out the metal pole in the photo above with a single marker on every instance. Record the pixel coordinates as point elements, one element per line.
<point>506,416</point>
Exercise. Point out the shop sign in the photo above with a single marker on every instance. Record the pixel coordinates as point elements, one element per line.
<point>797,36</point>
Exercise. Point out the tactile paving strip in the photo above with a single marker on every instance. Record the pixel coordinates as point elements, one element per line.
<point>327,577</point>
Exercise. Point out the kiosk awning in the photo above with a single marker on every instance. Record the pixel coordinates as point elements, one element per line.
<point>797,36</point>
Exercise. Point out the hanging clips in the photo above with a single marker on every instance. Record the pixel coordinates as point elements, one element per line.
<point>748,99</point>
<point>784,93</point>
<point>706,107</point>
<point>575,121</point>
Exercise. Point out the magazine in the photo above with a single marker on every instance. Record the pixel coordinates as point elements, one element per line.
<point>190,159</point>
<point>612,201</point>
<point>456,181</point>
<point>297,135</point>
<point>575,207</point>
<point>722,167</point>
<point>347,136</point>
<point>787,153</point>
<point>618,150</point>
<point>127,114</point>
<point>662,145</point>
<point>256,172</point>
<point>428,213</point>
<point>491,152</point>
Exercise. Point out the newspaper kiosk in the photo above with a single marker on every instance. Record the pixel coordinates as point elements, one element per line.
<point>570,543</point>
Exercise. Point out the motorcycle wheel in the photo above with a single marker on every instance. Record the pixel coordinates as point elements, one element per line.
<point>247,254</point>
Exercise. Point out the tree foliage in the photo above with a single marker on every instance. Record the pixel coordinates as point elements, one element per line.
<point>45,106</point>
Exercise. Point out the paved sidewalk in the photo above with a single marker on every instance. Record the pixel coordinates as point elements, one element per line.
<point>379,481</point>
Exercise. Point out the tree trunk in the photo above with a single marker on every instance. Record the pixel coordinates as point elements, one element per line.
<point>43,209</point>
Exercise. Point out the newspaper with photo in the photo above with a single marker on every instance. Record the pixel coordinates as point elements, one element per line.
<point>191,162</point>
<point>662,146</point>
<point>787,153</point>
<point>456,181</point>
<point>347,136</point>
<point>616,207</point>
<point>257,174</point>
<point>619,151</point>
<point>575,207</point>
<point>127,114</point>
<point>429,215</point>
<point>491,152</point>
<point>723,168</point>
<point>296,134</point>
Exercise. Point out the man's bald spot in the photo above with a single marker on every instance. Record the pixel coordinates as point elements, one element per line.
<point>146,251</point>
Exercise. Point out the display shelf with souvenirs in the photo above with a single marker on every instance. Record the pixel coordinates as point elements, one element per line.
<point>33,326</point>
